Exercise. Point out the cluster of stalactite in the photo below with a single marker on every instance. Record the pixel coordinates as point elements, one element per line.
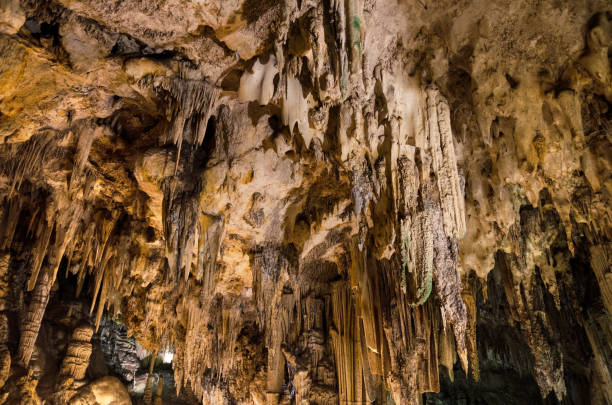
<point>97,245</point>
<point>354,280</point>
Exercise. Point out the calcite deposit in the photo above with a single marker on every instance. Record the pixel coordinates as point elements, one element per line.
<point>305,202</point>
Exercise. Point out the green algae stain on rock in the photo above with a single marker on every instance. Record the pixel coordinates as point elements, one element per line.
<point>357,34</point>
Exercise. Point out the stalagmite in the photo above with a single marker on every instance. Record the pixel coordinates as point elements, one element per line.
<point>75,363</point>
<point>158,400</point>
<point>26,389</point>
<point>5,354</point>
<point>76,360</point>
<point>148,391</point>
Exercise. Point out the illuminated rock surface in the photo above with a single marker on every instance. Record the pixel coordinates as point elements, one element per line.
<point>305,202</point>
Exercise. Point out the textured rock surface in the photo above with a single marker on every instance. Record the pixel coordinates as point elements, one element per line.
<point>105,391</point>
<point>120,351</point>
<point>309,202</point>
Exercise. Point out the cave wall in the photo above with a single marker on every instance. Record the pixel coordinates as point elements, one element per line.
<point>310,202</point>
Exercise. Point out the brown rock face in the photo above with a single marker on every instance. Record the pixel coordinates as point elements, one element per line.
<point>105,391</point>
<point>305,202</point>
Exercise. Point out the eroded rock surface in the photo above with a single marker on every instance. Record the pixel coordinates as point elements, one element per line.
<point>306,202</point>
<point>105,391</point>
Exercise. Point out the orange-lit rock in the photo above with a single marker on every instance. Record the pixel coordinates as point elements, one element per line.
<point>304,202</point>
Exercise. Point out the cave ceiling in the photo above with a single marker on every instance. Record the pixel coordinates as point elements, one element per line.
<point>305,202</point>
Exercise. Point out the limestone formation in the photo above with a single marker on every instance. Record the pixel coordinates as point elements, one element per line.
<point>158,399</point>
<point>148,391</point>
<point>75,363</point>
<point>305,202</point>
<point>105,391</point>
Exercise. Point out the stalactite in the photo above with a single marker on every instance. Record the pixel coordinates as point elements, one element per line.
<point>275,307</point>
<point>106,285</point>
<point>33,317</point>
<point>211,330</point>
<point>601,261</point>
<point>9,221</point>
<point>102,263</point>
<point>295,109</point>
<point>325,54</point>
<point>210,241</point>
<point>548,355</point>
<point>65,228</point>
<point>86,258</point>
<point>346,351</point>
<point>258,85</point>
<point>448,285</point>
<point>427,329</point>
<point>468,295</point>
<point>39,149</point>
<point>338,9</point>
<point>191,100</point>
<point>420,264</point>
<point>354,21</point>
<point>598,333</point>
<point>40,250</point>
<point>330,270</point>
<point>448,353</point>
<point>5,259</point>
<point>85,139</point>
<point>444,164</point>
